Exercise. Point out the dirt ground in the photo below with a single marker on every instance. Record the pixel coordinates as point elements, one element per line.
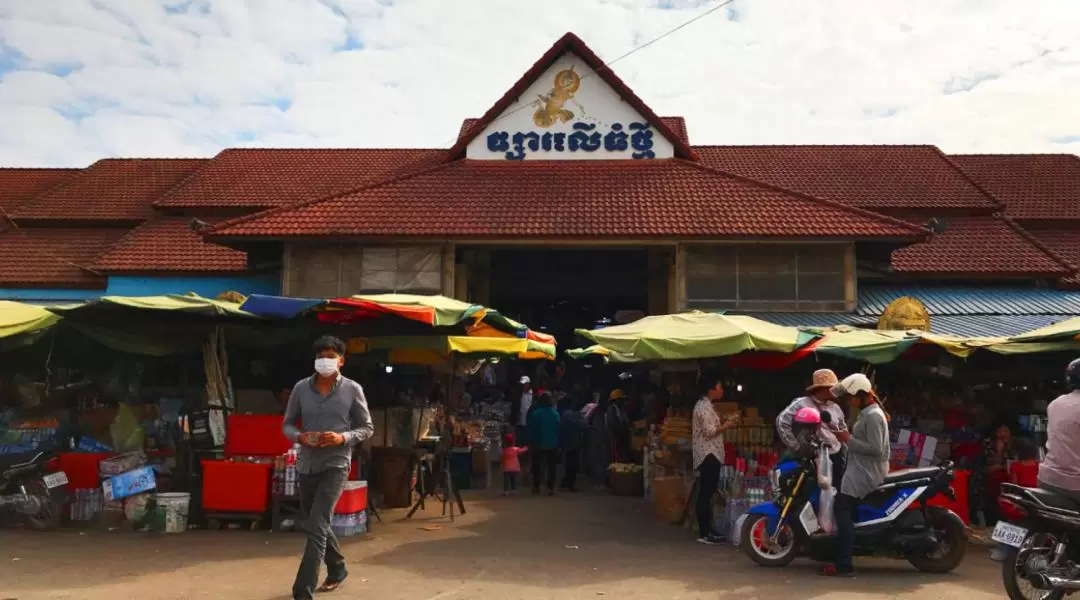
<point>529,548</point>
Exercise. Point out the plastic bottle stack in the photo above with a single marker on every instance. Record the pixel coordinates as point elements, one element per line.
<point>350,524</point>
<point>291,488</point>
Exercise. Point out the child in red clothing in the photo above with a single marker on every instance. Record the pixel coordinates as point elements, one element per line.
<point>511,466</point>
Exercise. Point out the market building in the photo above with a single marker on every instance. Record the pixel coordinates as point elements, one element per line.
<point>568,201</point>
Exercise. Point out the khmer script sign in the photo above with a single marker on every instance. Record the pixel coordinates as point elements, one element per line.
<point>636,138</point>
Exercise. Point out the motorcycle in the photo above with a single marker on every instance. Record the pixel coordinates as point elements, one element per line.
<point>33,490</point>
<point>894,521</point>
<point>1042,531</point>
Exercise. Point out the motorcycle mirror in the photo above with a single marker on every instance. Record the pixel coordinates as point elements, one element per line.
<point>826,418</point>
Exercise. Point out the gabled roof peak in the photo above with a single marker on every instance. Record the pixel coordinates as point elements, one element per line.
<point>571,43</point>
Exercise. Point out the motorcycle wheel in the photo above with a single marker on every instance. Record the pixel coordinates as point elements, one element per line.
<point>754,540</point>
<point>50,514</point>
<point>953,546</point>
<point>1018,588</point>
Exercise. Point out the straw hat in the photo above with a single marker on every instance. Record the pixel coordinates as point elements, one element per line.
<point>823,378</point>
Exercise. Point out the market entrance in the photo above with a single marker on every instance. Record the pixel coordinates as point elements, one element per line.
<point>558,290</point>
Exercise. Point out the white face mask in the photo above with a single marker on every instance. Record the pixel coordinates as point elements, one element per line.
<point>326,366</point>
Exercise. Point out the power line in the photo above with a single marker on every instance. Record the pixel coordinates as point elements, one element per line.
<point>608,65</point>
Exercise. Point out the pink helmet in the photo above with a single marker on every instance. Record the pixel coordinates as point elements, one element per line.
<point>807,416</point>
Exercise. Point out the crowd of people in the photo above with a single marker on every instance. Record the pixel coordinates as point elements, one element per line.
<point>553,427</point>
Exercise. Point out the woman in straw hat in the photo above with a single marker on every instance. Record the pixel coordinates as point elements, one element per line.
<point>818,396</point>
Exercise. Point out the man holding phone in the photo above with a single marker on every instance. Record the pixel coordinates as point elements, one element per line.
<point>327,415</point>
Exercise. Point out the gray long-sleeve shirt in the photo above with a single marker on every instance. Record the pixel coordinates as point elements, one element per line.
<point>344,410</point>
<point>868,453</point>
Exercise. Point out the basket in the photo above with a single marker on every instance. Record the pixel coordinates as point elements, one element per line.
<point>628,483</point>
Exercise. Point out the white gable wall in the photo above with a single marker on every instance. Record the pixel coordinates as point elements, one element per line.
<point>520,132</point>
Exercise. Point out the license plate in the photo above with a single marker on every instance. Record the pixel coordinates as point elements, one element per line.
<point>55,480</point>
<point>1009,534</point>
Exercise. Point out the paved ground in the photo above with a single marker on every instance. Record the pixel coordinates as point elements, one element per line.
<point>518,548</point>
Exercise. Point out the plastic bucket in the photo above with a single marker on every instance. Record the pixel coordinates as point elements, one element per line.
<point>172,512</point>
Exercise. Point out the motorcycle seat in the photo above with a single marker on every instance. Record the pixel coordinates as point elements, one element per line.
<point>1053,500</point>
<point>904,475</point>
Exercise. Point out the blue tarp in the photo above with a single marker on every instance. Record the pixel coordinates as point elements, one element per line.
<point>278,307</point>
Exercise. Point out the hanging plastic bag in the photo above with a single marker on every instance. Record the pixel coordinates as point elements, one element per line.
<point>824,468</point>
<point>126,432</point>
<point>825,510</point>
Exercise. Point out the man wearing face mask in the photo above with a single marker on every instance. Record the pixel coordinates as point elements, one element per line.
<point>335,417</point>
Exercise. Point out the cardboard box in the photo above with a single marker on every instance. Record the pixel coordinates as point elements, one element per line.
<point>725,408</point>
<point>130,483</point>
<point>924,447</point>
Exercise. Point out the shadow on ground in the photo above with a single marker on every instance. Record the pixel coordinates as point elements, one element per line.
<point>522,547</point>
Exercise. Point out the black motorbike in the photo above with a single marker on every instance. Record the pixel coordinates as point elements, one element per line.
<point>32,490</point>
<point>1042,531</point>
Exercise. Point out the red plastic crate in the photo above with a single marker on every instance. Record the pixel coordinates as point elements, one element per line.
<point>353,499</point>
<point>82,468</point>
<point>236,487</point>
<point>255,435</point>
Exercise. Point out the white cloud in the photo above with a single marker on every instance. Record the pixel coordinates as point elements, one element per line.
<point>138,79</point>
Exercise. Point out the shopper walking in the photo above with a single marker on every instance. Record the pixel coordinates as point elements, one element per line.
<point>572,439</point>
<point>335,417</point>
<point>544,443</point>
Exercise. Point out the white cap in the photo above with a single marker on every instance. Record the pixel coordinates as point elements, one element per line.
<point>851,385</point>
<point>525,379</point>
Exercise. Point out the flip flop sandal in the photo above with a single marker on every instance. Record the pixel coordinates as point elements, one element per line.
<point>330,586</point>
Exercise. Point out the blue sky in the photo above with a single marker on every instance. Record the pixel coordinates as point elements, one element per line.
<point>84,79</point>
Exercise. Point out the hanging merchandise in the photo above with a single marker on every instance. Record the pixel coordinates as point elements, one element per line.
<point>216,366</point>
<point>125,431</point>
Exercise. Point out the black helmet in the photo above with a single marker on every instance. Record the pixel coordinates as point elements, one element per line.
<point>1072,375</point>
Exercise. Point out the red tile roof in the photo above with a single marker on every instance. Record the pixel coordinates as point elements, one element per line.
<point>874,177</point>
<point>269,177</point>
<point>993,246</point>
<point>54,257</point>
<point>18,186</point>
<point>1065,242</point>
<point>1032,186</point>
<point>114,189</point>
<point>168,244</point>
<point>493,199</point>
<point>572,43</point>
<point>676,124</point>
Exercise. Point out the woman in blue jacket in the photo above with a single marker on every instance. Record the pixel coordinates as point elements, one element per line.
<point>544,442</point>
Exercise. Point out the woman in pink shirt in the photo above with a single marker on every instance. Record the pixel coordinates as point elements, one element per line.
<point>511,466</point>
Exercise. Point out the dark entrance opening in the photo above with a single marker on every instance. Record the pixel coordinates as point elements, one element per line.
<point>559,290</point>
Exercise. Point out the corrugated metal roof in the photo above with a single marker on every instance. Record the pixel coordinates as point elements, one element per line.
<point>980,325</point>
<point>803,319</point>
<point>962,325</point>
<point>963,301</point>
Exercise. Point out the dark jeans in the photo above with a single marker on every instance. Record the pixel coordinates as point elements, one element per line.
<point>510,481</point>
<point>319,492</point>
<point>844,513</point>
<point>573,466</point>
<point>544,460</point>
<point>838,466</point>
<point>708,482</point>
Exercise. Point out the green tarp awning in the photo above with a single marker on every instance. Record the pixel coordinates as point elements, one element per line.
<point>693,335</point>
